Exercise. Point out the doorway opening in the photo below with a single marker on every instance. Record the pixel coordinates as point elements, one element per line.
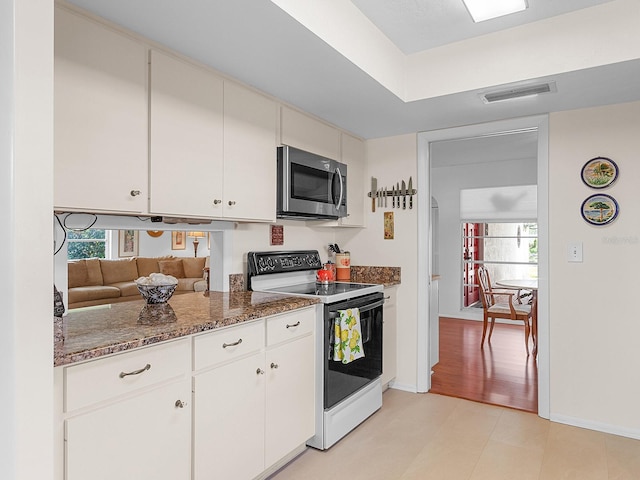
<point>473,138</point>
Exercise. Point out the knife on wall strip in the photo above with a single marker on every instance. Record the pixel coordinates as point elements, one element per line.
<point>410,193</point>
<point>404,195</point>
<point>398,194</point>
<point>374,186</point>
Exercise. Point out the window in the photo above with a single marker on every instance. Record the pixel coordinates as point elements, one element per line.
<point>508,250</point>
<point>90,243</point>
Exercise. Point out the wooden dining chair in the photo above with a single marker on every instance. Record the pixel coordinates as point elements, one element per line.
<point>495,307</point>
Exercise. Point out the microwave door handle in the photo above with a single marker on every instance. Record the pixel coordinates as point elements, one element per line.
<point>337,172</point>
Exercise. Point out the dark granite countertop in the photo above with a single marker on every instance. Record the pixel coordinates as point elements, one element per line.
<point>92,332</point>
<point>387,276</point>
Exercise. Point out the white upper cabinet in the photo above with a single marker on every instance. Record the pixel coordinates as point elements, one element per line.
<point>250,125</point>
<point>100,118</point>
<point>354,156</point>
<point>306,133</point>
<point>186,138</point>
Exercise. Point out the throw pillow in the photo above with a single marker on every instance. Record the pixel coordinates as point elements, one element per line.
<point>172,267</point>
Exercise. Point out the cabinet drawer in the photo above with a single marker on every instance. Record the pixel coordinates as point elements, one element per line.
<point>233,342</point>
<point>110,377</point>
<point>290,325</point>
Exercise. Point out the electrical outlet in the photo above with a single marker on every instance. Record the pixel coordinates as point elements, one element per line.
<point>574,252</point>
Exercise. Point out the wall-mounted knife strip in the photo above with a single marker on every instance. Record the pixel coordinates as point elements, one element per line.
<point>394,197</point>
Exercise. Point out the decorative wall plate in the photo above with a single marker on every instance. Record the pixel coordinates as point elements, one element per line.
<point>155,233</point>
<point>599,172</point>
<point>599,209</point>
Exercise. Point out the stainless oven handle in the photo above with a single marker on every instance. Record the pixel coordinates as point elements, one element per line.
<point>365,308</point>
<point>341,188</point>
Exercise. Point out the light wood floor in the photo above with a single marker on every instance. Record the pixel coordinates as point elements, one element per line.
<point>501,373</point>
<point>435,437</point>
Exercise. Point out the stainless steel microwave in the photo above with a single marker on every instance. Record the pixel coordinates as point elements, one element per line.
<point>310,186</point>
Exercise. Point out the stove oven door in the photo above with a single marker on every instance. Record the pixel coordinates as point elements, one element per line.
<point>341,380</point>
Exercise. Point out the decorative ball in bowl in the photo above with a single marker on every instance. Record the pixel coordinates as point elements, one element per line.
<point>156,288</point>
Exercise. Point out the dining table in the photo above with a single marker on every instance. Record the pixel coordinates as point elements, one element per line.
<point>530,284</point>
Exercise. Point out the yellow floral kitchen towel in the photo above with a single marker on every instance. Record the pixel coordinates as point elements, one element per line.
<point>348,339</point>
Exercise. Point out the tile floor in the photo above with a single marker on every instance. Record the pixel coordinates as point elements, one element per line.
<point>429,436</point>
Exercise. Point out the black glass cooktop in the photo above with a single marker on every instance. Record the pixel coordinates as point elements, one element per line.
<point>321,288</point>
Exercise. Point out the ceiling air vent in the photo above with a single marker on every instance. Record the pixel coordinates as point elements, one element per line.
<point>518,92</point>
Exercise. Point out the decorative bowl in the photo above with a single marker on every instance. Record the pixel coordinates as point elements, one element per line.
<point>154,294</point>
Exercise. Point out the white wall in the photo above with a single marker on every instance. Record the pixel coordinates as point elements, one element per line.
<point>594,321</point>
<point>26,192</point>
<point>298,235</point>
<point>392,160</point>
<point>446,183</point>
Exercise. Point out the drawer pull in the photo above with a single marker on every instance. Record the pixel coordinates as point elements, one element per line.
<point>260,371</point>
<point>274,365</point>
<point>387,297</point>
<point>297,324</point>
<point>136,372</point>
<point>180,403</point>
<point>225,345</point>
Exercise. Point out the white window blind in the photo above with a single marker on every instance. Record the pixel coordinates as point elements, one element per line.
<point>507,204</point>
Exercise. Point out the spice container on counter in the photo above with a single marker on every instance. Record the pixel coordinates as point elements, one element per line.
<point>343,266</point>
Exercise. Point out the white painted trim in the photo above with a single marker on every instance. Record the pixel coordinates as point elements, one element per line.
<point>597,426</point>
<point>541,123</point>
<point>403,387</point>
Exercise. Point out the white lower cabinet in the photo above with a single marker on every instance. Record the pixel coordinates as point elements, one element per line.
<point>289,398</point>
<point>389,336</point>
<point>252,407</point>
<point>229,420</point>
<point>138,428</point>
<point>146,436</point>
<point>227,404</point>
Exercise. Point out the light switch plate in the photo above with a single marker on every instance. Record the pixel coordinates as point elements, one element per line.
<point>574,252</point>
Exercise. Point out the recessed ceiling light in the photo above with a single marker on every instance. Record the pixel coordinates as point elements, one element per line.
<point>481,10</point>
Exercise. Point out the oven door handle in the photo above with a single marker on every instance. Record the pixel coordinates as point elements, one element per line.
<point>365,308</point>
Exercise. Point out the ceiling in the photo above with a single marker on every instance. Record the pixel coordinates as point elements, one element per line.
<point>258,43</point>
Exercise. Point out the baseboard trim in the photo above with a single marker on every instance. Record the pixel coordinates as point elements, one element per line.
<point>597,426</point>
<point>403,387</point>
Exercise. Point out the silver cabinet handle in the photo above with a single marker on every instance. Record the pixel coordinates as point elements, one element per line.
<point>297,324</point>
<point>387,298</point>
<point>180,403</point>
<point>217,201</point>
<point>274,365</point>
<point>231,203</point>
<point>260,371</point>
<point>136,372</point>
<point>225,345</point>
<point>135,193</point>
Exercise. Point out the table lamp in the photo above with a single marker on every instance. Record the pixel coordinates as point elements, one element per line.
<point>196,242</point>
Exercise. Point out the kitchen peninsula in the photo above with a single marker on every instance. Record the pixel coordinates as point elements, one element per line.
<point>173,391</point>
<point>92,332</point>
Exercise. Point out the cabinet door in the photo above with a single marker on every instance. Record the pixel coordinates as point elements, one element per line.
<point>228,420</point>
<point>354,156</point>
<point>186,163</point>
<point>389,336</point>
<point>290,398</point>
<point>100,118</point>
<point>146,436</point>
<point>249,154</point>
<point>306,133</point>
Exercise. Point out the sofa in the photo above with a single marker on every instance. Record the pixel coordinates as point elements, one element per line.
<point>96,281</point>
